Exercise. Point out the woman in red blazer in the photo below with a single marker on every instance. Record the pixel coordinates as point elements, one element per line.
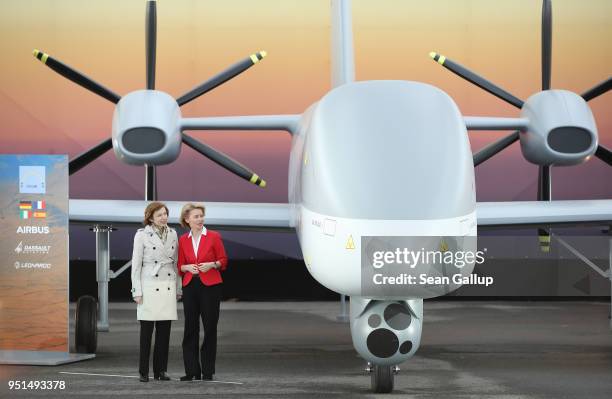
<point>201,258</point>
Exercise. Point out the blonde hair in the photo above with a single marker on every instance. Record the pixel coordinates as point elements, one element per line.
<point>151,209</point>
<point>188,207</point>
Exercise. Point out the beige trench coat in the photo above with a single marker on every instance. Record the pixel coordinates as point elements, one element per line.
<point>154,275</point>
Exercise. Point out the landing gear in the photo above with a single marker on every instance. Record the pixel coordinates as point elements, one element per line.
<point>382,377</point>
<point>86,319</point>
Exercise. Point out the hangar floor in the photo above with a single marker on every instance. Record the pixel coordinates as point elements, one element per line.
<point>280,349</point>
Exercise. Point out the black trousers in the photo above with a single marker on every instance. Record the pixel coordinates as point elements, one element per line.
<point>200,301</point>
<point>160,352</point>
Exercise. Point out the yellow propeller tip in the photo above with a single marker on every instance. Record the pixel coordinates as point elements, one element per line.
<point>263,53</point>
<point>35,52</point>
<point>262,184</point>
<point>433,54</point>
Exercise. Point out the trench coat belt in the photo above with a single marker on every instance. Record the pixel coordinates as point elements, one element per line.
<point>158,266</point>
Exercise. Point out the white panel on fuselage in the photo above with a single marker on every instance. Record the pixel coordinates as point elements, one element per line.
<point>334,260</point>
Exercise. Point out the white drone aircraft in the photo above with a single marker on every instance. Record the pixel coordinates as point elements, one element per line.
<point>371,158</point>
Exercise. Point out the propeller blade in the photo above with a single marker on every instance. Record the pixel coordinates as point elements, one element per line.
<point>224,161</point>
<point>476,79</point>
<point>495,147</point>
<point>544,240</point>
<point>151,42</point>
<point>85,158</point>
<point>222,77</point>
<point>544,188</point>
<point>604,154</point>
<point>546,43</point>
<point>598,90</point>
<point>150,183</point>
<point>76,76</point>
<point>544,183</point>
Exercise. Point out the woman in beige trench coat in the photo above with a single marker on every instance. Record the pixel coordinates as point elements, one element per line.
<point>155,287</point>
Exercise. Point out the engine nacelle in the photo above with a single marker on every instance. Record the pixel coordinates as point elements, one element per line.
<point>386,332</point>
<point>146,128</point>
<point>561,131</point>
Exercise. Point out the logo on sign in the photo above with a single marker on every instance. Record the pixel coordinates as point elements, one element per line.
<point>32,249</point>
<point>33,230</point>
<point>30,265</point>
<point>32,179</point>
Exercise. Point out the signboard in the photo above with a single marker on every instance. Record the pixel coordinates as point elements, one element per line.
<point>34,253</point>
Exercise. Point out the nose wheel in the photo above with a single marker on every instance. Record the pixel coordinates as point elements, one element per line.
<point>382,377</point>
<point>86,332</point>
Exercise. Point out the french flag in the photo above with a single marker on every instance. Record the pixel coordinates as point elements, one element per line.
<point>39,205</point>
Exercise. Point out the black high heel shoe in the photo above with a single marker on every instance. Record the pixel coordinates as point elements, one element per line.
<point>144,378</point>
<point>190,377</point>
<point>162,376</point>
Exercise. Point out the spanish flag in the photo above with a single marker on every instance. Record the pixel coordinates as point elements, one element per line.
<point>39,214</point>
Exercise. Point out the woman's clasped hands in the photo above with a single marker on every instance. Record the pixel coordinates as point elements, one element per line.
<point>197,268</point>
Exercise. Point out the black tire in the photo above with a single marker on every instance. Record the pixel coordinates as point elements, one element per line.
<point>86,325</point>
<point>382,379</point>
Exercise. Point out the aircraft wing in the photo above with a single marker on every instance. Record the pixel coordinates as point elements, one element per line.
<point>227,215</point>
<point>537,213</point>
<point>276,216</point>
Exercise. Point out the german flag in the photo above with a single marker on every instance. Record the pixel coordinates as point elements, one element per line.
<point>25,205</point>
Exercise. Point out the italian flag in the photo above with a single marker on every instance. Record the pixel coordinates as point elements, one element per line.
<point>25,214</point>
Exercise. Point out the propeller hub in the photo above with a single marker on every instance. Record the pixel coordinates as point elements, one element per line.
<point>146,128</point>
<point>562,130</point>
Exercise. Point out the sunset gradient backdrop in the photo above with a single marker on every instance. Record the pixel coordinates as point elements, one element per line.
<point>41,112</point>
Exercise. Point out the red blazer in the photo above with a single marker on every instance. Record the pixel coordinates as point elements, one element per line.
<point>210,250</point>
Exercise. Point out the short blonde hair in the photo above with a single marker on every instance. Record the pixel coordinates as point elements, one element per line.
<point>188,207</point>
<point>151,209</point>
